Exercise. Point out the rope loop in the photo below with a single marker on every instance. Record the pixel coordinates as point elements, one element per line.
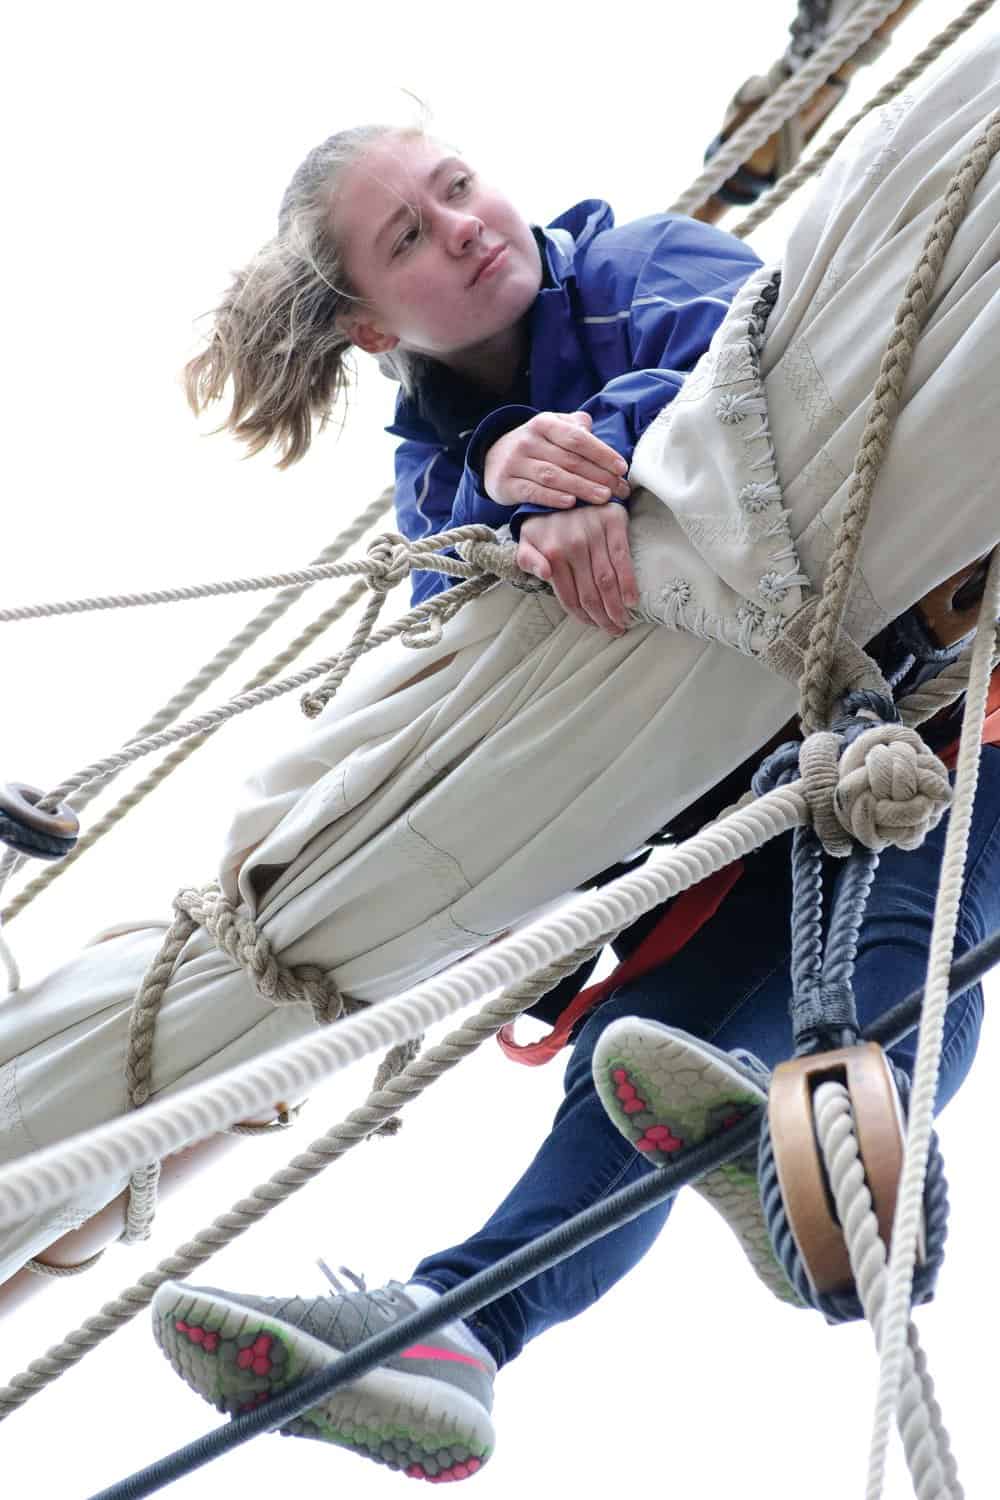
<point>425,632</point>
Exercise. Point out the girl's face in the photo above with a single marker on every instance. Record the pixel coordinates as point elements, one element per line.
<point>415,226</point>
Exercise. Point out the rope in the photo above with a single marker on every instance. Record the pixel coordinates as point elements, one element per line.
<point>302,577</point>
<point>784,103</point>
<point>908,1209</point>
<point>947,687</point>
<point>911,317</point>
<point>793,180</point>
<point>925,1438</point>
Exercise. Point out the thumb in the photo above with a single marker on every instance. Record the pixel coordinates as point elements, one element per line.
<point>583,417</point>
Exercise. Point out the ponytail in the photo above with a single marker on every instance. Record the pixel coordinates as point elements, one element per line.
<point>275,334</point>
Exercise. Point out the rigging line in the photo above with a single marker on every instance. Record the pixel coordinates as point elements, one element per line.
<point>909,1207</point>
<point>298,579</point>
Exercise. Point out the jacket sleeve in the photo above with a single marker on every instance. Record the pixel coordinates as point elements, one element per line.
<point>687,280</point>
<point>435,491</point>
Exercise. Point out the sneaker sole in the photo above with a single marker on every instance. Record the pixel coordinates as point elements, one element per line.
<point>237,1359</point>
<point>665,1091</point>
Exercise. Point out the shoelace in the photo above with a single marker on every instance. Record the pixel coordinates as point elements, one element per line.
<point>382,1296</point>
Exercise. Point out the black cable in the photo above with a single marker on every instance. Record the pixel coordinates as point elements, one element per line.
<point>486,1286</point>
<point>519,1267</point>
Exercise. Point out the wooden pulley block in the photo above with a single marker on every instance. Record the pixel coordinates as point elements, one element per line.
<point>865,1072</point>
<point>764,166</point>
<point>952,609</point>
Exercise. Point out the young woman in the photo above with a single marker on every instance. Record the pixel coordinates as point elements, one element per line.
<point>531,360</point>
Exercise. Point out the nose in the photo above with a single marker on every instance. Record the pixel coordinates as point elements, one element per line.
<point>464,231</point>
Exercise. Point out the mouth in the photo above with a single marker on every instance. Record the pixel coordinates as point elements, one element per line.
<point>486,264</point>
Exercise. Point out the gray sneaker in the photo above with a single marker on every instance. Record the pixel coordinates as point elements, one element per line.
<point>666,1090</point>
<point>425,1411</point>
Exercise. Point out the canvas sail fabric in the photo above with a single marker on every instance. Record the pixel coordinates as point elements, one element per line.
<point>416,819</point>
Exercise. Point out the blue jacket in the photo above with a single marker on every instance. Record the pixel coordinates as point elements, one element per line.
<point>622,315</point>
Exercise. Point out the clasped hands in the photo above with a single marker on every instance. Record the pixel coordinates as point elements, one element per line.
<point>554,459</point>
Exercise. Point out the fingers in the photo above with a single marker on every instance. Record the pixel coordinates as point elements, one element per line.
<point>562,463</point>
<point>586,559</point>
<point>570,433</point>
<point>554,460</point>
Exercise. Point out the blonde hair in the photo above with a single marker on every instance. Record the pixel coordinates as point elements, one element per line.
<point>275,334</point>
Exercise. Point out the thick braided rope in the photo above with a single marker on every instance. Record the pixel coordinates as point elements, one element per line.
<point>785,103</point>
<point>162,1127</point>
<point>911,317</point>
<point>808,168</point>
<point>925,1438</point>
<point>412,627</point>
<point>382,1105</point>
<point>143,1183</point>
<point>906,1227</point>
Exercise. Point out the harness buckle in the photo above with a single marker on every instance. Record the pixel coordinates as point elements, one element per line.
<point>865,1072</point>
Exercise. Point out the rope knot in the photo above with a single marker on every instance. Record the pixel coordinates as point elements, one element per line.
<point>892,790</point>
<point>884,788</point>
<point>389,561</point>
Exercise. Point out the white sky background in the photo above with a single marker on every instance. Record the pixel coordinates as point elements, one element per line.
<point>147,152</point>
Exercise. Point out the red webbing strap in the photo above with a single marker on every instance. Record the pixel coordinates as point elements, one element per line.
<point>991,724</point>
<point>688,913</point>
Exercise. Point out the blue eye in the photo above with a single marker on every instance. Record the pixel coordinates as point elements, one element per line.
<point>459,186</point>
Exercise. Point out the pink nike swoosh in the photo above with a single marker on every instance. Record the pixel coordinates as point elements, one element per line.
<point>428,1351</point>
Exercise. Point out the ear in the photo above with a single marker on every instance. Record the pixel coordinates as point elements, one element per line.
<point>366,334</point>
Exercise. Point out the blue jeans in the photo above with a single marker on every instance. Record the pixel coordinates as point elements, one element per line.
<point>730,985</point>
